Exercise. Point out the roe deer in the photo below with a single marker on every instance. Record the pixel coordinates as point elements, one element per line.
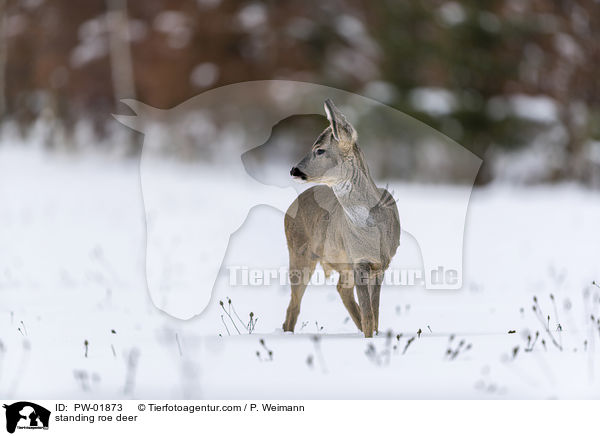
<point>346,223</point>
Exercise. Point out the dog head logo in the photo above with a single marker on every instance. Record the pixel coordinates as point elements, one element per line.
<point>26,415</point>
<point>190,218</point>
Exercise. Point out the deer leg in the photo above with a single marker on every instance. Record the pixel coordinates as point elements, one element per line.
<point>376,291</point>
<point>361,280</point>
<point>347,294</point>
<point>300,273</point>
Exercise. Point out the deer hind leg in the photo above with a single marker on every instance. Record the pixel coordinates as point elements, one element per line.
<point>345,288</point>
<point>301,270</point>
<point>375,292</point>
<point>361,280</point>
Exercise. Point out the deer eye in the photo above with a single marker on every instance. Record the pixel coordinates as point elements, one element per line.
<point>320,151</point>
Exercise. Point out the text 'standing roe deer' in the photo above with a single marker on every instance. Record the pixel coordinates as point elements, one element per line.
<point>346,223</point>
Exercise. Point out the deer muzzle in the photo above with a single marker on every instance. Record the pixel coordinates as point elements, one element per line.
<point>295,172</point>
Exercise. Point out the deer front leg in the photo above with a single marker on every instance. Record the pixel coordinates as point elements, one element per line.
<point>300,273</point>
<point>293,310</point>
<point>361,280</point>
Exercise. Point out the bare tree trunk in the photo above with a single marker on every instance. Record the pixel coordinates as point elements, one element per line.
<point>3,56</point>
<point>120,55</point>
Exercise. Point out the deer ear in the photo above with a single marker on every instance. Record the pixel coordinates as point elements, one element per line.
<point>342,130</point>
<point>330,110</point>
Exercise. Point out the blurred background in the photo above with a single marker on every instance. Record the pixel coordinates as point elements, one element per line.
<point>515,82</point>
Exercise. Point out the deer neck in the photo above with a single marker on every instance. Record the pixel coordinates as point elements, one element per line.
<point>357,196</point>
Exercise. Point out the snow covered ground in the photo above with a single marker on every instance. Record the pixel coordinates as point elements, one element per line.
<point>72,245</point>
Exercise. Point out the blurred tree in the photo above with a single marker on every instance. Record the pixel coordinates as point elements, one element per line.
<point>3,44</point>
<point>484,53</point>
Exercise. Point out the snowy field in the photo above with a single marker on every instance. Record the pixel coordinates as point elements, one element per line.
<point>76,319</point>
